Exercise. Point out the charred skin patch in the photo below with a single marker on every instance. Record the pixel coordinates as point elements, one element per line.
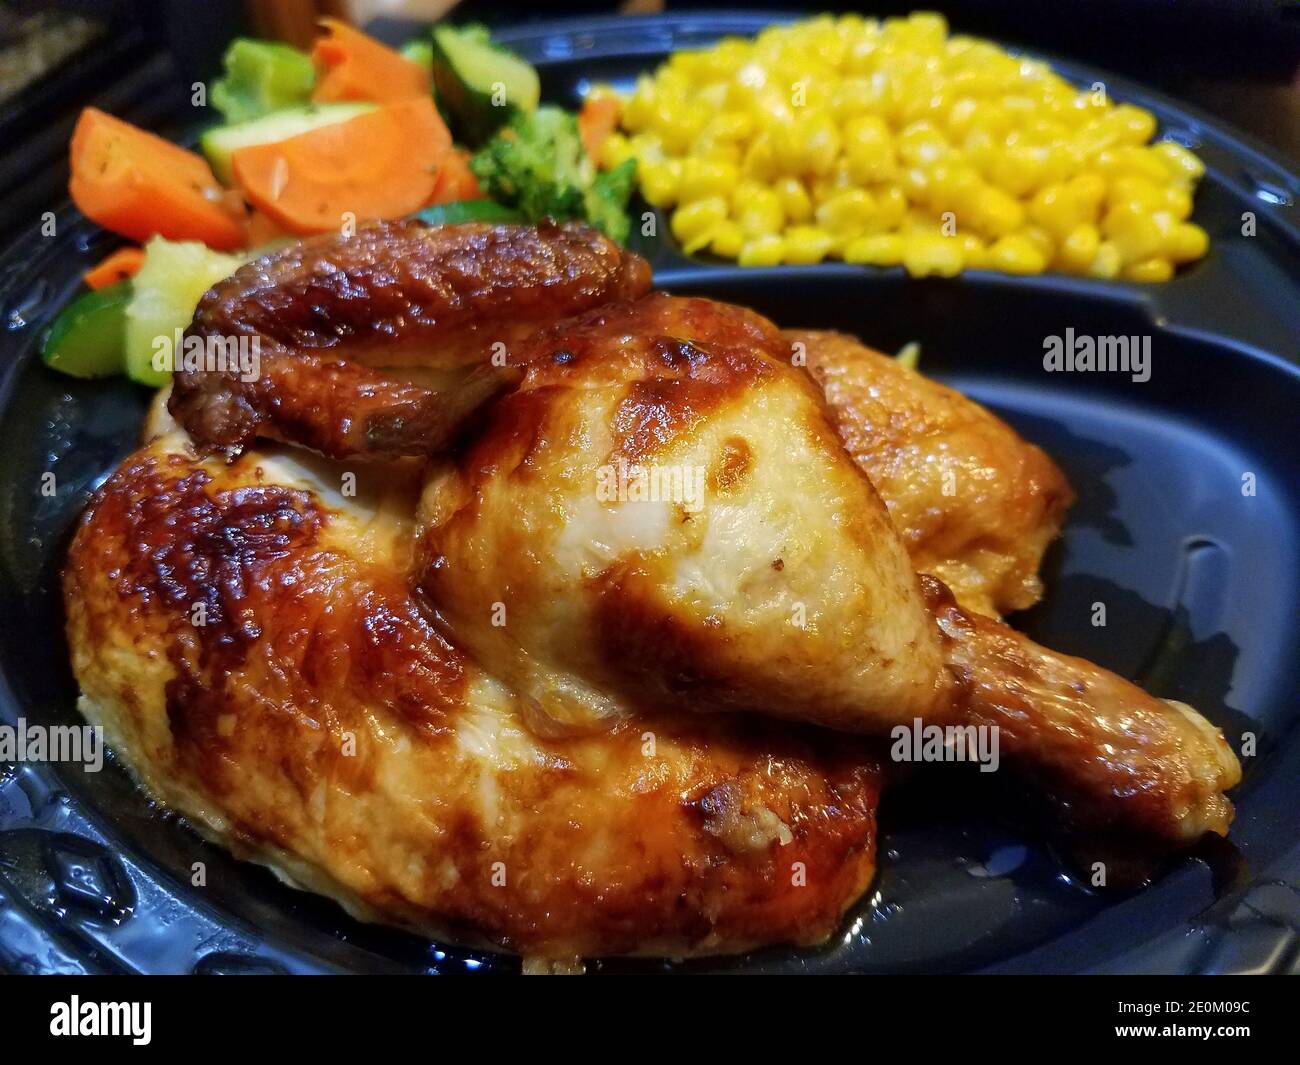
<point>732,467</point>
<point>329,313</point>
<point>260,619</point>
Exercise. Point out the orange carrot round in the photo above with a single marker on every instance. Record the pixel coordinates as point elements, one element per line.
<point>140,186</point>
<point>383,164</point>
<point>353,66</point>
<point>118,266</point>
<point>596,121</point>
<point>456,181</point>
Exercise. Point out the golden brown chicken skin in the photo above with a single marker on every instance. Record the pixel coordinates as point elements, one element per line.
<point>780,588</point>
<point>975,504</point>
<point>316,721</point>
<point>332,314</point>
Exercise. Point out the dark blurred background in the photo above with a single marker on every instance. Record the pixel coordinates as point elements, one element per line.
<point>1238,60</point>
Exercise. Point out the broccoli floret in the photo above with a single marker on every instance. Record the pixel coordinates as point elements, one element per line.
<point>537,164</point>
<point>261,77</point>
<point>606,200</point>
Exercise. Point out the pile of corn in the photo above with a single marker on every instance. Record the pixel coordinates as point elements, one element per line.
<point>895,143</point>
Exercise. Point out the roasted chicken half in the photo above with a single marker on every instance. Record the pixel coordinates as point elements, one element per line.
<point>503,692</point>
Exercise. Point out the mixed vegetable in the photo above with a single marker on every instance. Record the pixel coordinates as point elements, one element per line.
<point>448,129</point>
<point>879,143</point>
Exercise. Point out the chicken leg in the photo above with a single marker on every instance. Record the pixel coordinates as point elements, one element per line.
<point>662,517</point>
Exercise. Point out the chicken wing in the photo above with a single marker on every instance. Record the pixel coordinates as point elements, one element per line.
<point>778,586</point>
<point>332,314</point>
<point>975,504</point>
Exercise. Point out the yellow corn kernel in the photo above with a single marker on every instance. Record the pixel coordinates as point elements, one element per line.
<point>1178,202</point>
<point>1079,248</point>
<point>615,151</point>
<point>702,178</point>
<point>1058,210</point>
<point>1137,233</point>
<point>1182,163</point>
<point>881,249</point>
<point>1149,270</point>
<point>762,251</point>
<point>806,244</point>
<point>1020,168</point>
<point>954,187</point>
<point>680,126</point>
<point>916,184</point>
<point>647,147</point>
<point>997,213</point>
<point>794,198</point>
<point>930,253</point>
<point>1017,254</point>
<point>1186,243</point>
<point>1089,188</point>
<point>1142,192</point>
<point>854,96</point>
<point>692,220</point>
<point>821,143</point>
<point>1107,262</point>
<point>962,116</point>
<point>660,181</point>
<point>891,206</point>
<point>638,107</point>
<point>1136,125</point>
<point>974,252</point>
<point>869,149</point>
<point>847,213</point>
<point>1130,161</point>
<point>728,239</point>
<point>757,209</point>
<point>922,144</point>
<point>760,158</point>
<point>729,126</point>
<point>1040,239</point>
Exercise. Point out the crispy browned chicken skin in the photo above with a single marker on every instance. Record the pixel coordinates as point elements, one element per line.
<point>565,740</point>
<point>975,504</point>
<point>333,313</point>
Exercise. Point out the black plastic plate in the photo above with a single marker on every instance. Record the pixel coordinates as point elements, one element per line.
<point>1199,581</point>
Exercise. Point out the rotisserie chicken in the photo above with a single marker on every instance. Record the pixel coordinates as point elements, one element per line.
<point>504,694</point>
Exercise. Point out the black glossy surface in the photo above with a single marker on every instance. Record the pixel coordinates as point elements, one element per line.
<point>1199,581</point>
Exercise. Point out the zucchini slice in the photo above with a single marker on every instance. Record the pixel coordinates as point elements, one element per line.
<point>479,84</point>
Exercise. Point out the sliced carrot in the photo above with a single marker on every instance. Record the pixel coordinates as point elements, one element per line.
<point>456,181</point>
<point>116,267</point>
<point>263,230</point>
<point>353,66</point>
<point>140,186</point>
<point>596,121</point>
<point>383,164</point>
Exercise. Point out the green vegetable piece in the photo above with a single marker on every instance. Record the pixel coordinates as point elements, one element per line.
<point>88,338</point>
<point>480,85</point>
<point>418,52</point>
<point>538,165</point>
<point>221,142</point>
<point>167,289</point>
<point>461,211</point>
<point>261,77</point>
<point>606,200</point>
